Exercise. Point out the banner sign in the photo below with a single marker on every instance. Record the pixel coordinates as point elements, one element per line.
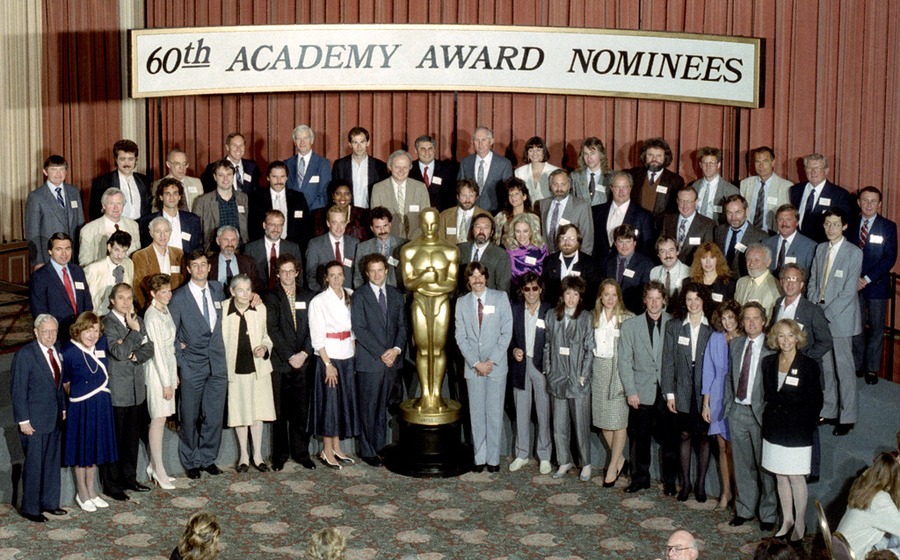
<point>258,59</point>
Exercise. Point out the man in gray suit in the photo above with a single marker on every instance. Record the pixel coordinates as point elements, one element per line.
<point>266,251</point>
<point>196,310</point>
<point>766,192</point>
<point>332,246</point>
<point>712,189</point>
<point>223,206</point>
<point>479,248</point>
<point>591,181</point>
<point>790,246</point>
<point>488,169</point>
<point>833,285</point>
<point>744,409</point>
<point>562,209</point>
<point>52,207</point>
<point>384,243</point>
<point>734,236</point>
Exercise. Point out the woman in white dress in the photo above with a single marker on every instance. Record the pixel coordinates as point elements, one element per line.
<point>160,373</point>
<point>536,171</point>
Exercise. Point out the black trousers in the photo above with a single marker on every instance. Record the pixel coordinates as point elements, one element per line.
<point>131,424</point>
<point>291,391</point>
<point>648,422</point>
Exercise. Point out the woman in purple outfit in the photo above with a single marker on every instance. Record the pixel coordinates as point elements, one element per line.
<point>525,246</point>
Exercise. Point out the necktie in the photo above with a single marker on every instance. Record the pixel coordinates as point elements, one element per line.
<point>810,204</point>
<point>425,178</point>
<point>131,195</point>
<point>480,312</point>
<point>292,298</point>
<point>337,252</point>
<point>463,233</point>
<point>592,187</point>
<point>301,170</point>
<point>228,274</point>
<point>668,282</point>
<point>780,262</point>
<point>54,365</point>
<point>864,234</point>
<point>554,225</point>
<point>118,273</point>
<point>238,178</point>
<point>206,309</point>
<point>476,255</point>
<point>273,270</point>
<point>384,248</point>
<point>759,218</point>
<point>480,177</point>
<point>401,198</point>
<point>744,379</point>
<point>69,289</point>
<point>59,197</point>
<point>682,231</point>
<point>116,226</point>
<point>729,254</point>
<point>620,271</point>
<point>652,177</point>
<point>382,301</point>
<point>828,260</point>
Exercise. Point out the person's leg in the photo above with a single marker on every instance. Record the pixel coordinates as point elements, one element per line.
<point>32,472</point>
<point>701,448</point>
<point>190,392</point>
<point>800,496</point>
<point>786,499</point>
<point>522,399</point>
<point>256,432</point>
<point>90,474</point>
<point>581,416</point>
<point>617,459</point>
<point>875,336</point>
<point>561,431</point>
<point>495,395</point>
<point>243,455</point>
<point>742,423</point>
<point>50,472</point>
<point>846,375</point>
<point>367,388</point>
<point>542,408</point>
<point>155,435</point>
<point>81,484</point>
<point>684,455</point>
<point>476,389</point>
<point>829,388</point>
<point>639,434</point>
<point>724,471</point>
<point>213,410</point>
<point>280,450</point>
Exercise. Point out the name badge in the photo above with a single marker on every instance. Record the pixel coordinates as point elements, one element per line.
<point>694,241</point>
<point>241,209</point>
<point>100,353</point>
<point>299,305</point>
<point>298,213</point>
<point>564,222</point>
<point>530,260</point>
<point>790,260</point>
<point>451,231</point>
<point>684,341</point>
<point>563,351</point>
<point>717,208</point>
<point>740,247</point>
<point>392,261</point>
<point>717,298</point>
<point>876,239</point>
<point>662,189</point>
<point>144,340</point>
<point>413,207</point>
<point>488,310</point>
<point>217,304</point>
<point>314,179</point>
<point>799,324</point>
<point>615,333</point>
<point>793,381</point>
<point>247,177</point>
<point>348,262</point>
<point>192,190</point>
<point>838,273</point>
<point>79,285</point>
<point>825,201</point>
<point>628,273</point>
<point>185,236</point>
<point>175,268</point>
<point>73,204</point>
<point>575,273</point>
<point>541,324</point>
<point>437,180</point>
<point>637,232</point>
<point>772,201</point>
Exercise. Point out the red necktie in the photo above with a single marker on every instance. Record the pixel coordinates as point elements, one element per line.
<point>337,252</point>
<point>480,312</point>
<point>117,227</point>
<point>272,269</point>
<point>864,234</point>
<point>69,291</point>
<point>54,365</point>
<point>425,178</point>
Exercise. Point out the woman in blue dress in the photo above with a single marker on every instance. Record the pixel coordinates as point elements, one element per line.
<point>90,433</point>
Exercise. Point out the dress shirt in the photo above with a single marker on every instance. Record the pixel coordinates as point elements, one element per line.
<point>360,182</point>
<point>279,202</point>
<point>562,208</point>
<point>782,241</point>
<point>788,311</point>
<point>676,275</point>
<point>487,165</point>
<point>59,272</point>
<point>687,226</point>
<point>62,193</point>
<point>109,226</point>
<point>461,215</point>
<point>238,173</point>
<point>58,357</point>
<point>269,245</point>
<point>478,250</point>
<point>430,168</point>
<point>752,203</point>
<point>175,224</point>
<point>376,289</point>
<point>707,197</point>
<point>754,363</point>
<point>330,314</point>
<point>110,277</point>
<point>615,218</point>
<point>332,240</point>
<point>197,292</point>
<point>223,272</point>
<point>606,335</point>
<point>531,322</point>
<point>165,265</point>
<point>132,197</point>
<point>811,190</point>
<point>695,334</point>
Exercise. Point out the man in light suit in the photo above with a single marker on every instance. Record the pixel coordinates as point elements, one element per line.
<point>759,284</point>
<point>223,206</point>
<point>59,289</point>
<point>589,181</point>
<point>816,196</point>
<point>158,258</point>
<point>298,225</point>
<point>177,164</point>
<point>117,267</point>
<point>186,232</point>
<point>95,234</point>
<point>670,272</point>
<point>744,406</point>
<point>618,211</point>
<point>358,168</point>
<point>765,192</point>
<point>383,242</point>
<point>640,366</point>
<point>712,189</point>
<point>379,321</point>
<point>654,185</point>
<point>455,222</point>
<point>403,196</point>
<point>789,245</point>
<point>438,175</point>
<point>134,186</point>
<point>39,410</point>
<point>332,246</point>
<point>479,248</point>
<point>196,310</point>
<point>570,260</point>
<point>833,281</point>
<point>308,172</point>
<point>265,251</point>
<point>562,208</point>
<point>489,170</point>
<point>734,236</point>
<point>49,210</point>
<point>688,227</point>
<point>877,237</point>
<point>483,332</point>
<point>246,172</point>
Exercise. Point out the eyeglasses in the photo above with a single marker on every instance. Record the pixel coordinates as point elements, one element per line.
<point>526,289</point>
<point>677,549</point>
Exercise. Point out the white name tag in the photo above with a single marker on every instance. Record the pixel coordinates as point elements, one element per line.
<point>247,177</point>
<point>299,305</point>
<point>192,190</point>
<point>348,262</point>
<point>694,240</point>
<point>563,351</point>
<point>541,324</point>
<point>825,201</point>
<point>717,208</point>
<point>838,273</point>
<point>175,268</point>
<point>575,273</point>
<point>413,207</point>
<point>451,231</point>
<point>488,310</point>
<point>799,324</point>
<point>314,179</point>
<point>717,298</point>
<point>79,285</point>
<point>530,260</point>
<point>241,209</point>
<point>876,239</point>
<point>637,232</point>
<point>185,236</point>
<point>564,222</point>
<point>628,273</point>
<point>100,353</point>
<point>684,340</point>
<point>298,213</point>
<point>392,261</point>
<point>772,201</point>
<point>740,247</point>
<point>73,204</point>
<point>217,304</point>
<point>662,189</point>
<point>790,260</point>
<point>437,180</point>
<point>793,381</point>
<point>144,340</point>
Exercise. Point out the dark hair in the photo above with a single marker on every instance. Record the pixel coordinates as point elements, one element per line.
<point>528,278</point>
<point>576,283</point>
<point>356,131</point>
<point>367,261</point>
<point>121,238</point>
<point>655,285</point>
<point>861,192</point>
<point>836,212</point>
<point>222,164</point>
<point>231,136</point>
<point>754,305</point>
<point>481,217</point>
<point>333,186</point>
<point>161,187</point>
<point>127,146</point>
<point>774,549</point>
<point>380,213</point>
<point>723,308</point>
<point>121,286</point>
<point>624,231</point>
<point>763,149</point>
<point>276,165</point>
<point>58,236</point>
<point>472,268</point>
<point>657,143</point>
<point>535,142</point>
<point>467,184</point>
<point>55,161</point>
<point>702,291</point>
<point>157,281</point>
<point>518,184</point>
<point>195,255</point>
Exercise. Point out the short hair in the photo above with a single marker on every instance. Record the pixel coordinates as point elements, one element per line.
<point>793,326</point>
<point>195,255</point>
<point>232,136</point>
<point>111,191</point>
<point>125,145</point>
<point>396,154</point>
<point>772,548</point>
<point>475,220</point>
<point>43,318</point>
<point>794,267</point>
<point>625,174</point>
<point>467,184</point>
<point>356,131</point>
<point>326,544</point>
<point>276,165</point>
<point>577,284</point>
<point>536,142</point>
<point>84,321</point>
<point>239,278</point>
<point>754,305</point>
<point>657,143</point>
<point>158,220</point>
<point>763,150</point>
<point>223,229</point>
<point>174,151</point>
<point>161,188</point>
<point>367,260</point>
<point>593,143</point>
<point>870,189</point>
<point>380,213</point>
<point>788,208</point>
<point>273,213</point>
<point>624,231</point>
<point>58,236</point>
<point>709,151</point>
<point>537,240</point>
<point>121,238</point>
<point>222,164</point>
<point>299,129</point>
<point>665,239</point>
<point>687,188</point>
<point>157,281</point>
<point>836,212</point>
<point>333,209</point>
<point>559,171</point>
<point>200,540</point>
<point>120,287</point>
<point>55,161</point>
<point>736,198</point>
<point>424,138</point>
<point>815,156</point>
<point>287,258</point>
<point>472,268</point>
<point>335,185</point>
<point>488,131</point>
<point>565,228</point>
<point>655,285</point>
<point>760,247</point>
<point>727,306</point>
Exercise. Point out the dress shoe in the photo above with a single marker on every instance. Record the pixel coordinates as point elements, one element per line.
<point>636,487</point>
<point>518,463</point>
<point>562,470</point>
<point>700,494</point>
<point>842,429</point>
<point>372,461</point>
<point>119,496</point>
<point>99,502</point>
<point>493,468</point>
<point>262,466</point>
<point>212,468</point>
<point>57,511</point>
<point>164,484</point>
<point>812,478</point>
<point>737,520</point>
<point>823,420</point>
<point>546,467</point>
<point>87,505</point>
<point>478,468</point>
<point>787,532</point>
<point>242,467</point>
<point>39,518</point>
<point>798,543</point>
<point>150,472</point>
<point>307,463</point>
<point>766,526</point>
<point>669,488</point>
<point>585,475</point>
<point>327,463</point>
<point>685,493</point>
<point>277,466</point>
<point>193,473</point>
<point>136,487</point>
<point>344,460</point>
<point>871,378</point>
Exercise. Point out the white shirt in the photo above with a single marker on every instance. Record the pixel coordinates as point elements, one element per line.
<point>132,197</point>
<point>175,224</point>
<point>360,171</point>
<point>269,243</point>
<point>461,215</point>
<point>109,226</point>
<point>330,314</point>
<point>754,364</point>
<point>567,270</point>
<point>531,320</point>
<point>788,311</point>
<point>676,276</point>
<point>615,218</point>
<point>810,191</point>
<point>197,292</point>
<point>333,240</point>
<point>279,202</point>
<point>562,208</point>
<point>687,226</point>
<point>707,197</point>
<point>606,336</point>
<point>487,165</point>
<point>62,192</point>
<point>165,264</point>
<point>781,241</point>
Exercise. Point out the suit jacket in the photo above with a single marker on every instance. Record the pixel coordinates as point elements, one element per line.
<point>636,274</point>
<point>48,295</point>
<point>724,189</point>
<point>569,375</point>
<point>192,189</point>
<point>702,229</point>
<point>841,304</point>
<point>812,320</point>
<point>207,208</point>
<point>636,217</point>
<point>640,360</point>
<point>766,291</point>
<point>586,267</point>
<point>35,397</point>
<point>448,223</point>
<point>286,339</point>
<point>93,238</point>
<point>376,170</point>
<point>800,252</point>
<point>376,333</point>
<point>247,182</point>
<point>257,251</point>
<point>581,186</point>
<point>516,368</point>
<point>111,179</point>
<point>321,251</point>
<point>298,222</point>
<point>738,264</point>
<point>789,418</point>
<point>369,246</point>
<point>778,194</point>
<point>127,384</point>
<point>191,230</point>
<point>682,375</point>
<point>245,265</point>
<point>495,259</point>
<point>879,255</point>
<point>578,212</point>
<point>493,193</point>
<point>757,398</point>
<point>315,180</point>
<point>44,217</point>
<point>384,194</point>
<point>204,349</point>
<point>833,196</point>
<point>442,187</point>
<point>542,189</point>
<point>490,341</point>
<point>667,184</point>
<point>146,265</point>
<point>97,276</point>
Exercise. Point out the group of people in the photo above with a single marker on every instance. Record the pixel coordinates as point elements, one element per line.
<point>702,315</point>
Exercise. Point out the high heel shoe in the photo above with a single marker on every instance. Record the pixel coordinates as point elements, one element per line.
<point>700,494</point>
<point>150,472</point>
<point>787,531</point>
<point>328,463</point>
<point>164,485</point>
<point>344,460</point>
<point>626,465</point>
<point>87,505</point>
<point>685,493</point>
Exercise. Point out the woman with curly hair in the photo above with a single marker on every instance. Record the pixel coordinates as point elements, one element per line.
<point>518,201</point>
<point>710,269</point>
<point>200,540</point>
<point>326,544</point>
<point>525,246</point>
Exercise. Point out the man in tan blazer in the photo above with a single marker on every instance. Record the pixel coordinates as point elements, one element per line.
<point>155,259</point>
<point>455,223</point>
<point>403,196</point>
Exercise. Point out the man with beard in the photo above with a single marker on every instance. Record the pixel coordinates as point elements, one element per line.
<point>759,285</point>
<point>455,222</point>
<point>736,235</point>
<point>226,264</point>
<point>480,249</point>
<point>570,260</point>
<point>562,209</point>
<point>384,243</point>
<point>655,186</point>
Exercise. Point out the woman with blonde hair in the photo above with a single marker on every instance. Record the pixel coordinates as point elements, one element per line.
<point>200,540</point>
<point>710,269</point>
<point>326,544</point>
<point>872,521</point>
<point>525,247</point>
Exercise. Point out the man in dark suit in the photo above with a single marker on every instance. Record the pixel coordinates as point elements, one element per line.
<point>226,264</point>
<point>438,175</point>
<point>488,169</point>
<point>331,246</point>
<point>52,207</point>
<point>60,288</point>
<point>298,218</point>
<point>562,208</point>
<point>630,269</point>
<point>712,189</point>
<point>379,321</point>
<point>196,310</point>
<point>246,172</point>
<point>265,251</point>
<point>479,248</point>
<point>358,168</point>
<point>570,260</point>
<point>292,366</point>
<point>734,236</point>
<point>654,185</point>
<point>877,237</point>
<point>382,242</point>
<point>135,186</point>
<point>187,232</point>
<point>816,196</point>
<point>308,172</point>
<point>39,409</point>
<point>789,245</point>
<point>687,226</point>
<point>620,210</point>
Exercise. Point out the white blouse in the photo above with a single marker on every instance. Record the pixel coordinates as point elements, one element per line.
<point>330,314</point>
<point>606,336</point>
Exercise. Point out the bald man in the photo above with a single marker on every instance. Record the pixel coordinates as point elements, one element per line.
<point>681,546</point>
